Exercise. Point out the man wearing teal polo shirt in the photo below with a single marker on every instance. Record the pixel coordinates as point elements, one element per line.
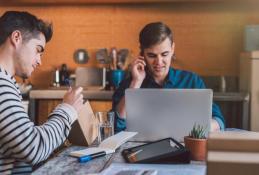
<point>152,69</point>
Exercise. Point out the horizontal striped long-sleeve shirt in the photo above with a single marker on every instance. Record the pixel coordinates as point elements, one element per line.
<point>20,140</point>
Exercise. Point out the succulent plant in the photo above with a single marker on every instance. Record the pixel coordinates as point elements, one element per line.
<point>198,132</point>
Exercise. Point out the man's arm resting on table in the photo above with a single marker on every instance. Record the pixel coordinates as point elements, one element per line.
<point>214,125</point>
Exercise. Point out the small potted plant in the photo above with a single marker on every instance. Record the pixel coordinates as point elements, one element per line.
<point>196,142</point>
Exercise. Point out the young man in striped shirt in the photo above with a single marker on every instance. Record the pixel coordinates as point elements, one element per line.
<point>22,41</point>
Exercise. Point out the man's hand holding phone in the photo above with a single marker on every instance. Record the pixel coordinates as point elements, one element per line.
<point>138,72</point>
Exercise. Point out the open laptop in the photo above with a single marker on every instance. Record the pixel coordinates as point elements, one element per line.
<point>161,113</point>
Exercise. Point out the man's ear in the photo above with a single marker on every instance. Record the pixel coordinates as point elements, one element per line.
<point>173,56</point>
<point>173,45</point>
<point>16,38</point>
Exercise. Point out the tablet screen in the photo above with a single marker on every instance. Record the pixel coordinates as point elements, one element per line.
<point>150,150</point>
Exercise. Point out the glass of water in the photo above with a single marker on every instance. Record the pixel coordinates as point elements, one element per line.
<point>105,125</point>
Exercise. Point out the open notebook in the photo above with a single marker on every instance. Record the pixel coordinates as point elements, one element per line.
<point>109,145</point>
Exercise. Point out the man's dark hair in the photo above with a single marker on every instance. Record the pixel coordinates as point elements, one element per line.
<point>154,33</point>
<point>29,25</point>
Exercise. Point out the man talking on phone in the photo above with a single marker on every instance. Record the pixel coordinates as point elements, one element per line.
<point>152,69</point>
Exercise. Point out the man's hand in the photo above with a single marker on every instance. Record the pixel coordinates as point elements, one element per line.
<point>74,97</point>
<point>138,72</point>
<point>214,125</point>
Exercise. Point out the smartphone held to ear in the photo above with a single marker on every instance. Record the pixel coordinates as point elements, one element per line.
<point>141,53</point>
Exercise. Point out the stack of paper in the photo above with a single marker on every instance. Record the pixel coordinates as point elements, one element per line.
<point>233,152</point>
<point>152,169</point>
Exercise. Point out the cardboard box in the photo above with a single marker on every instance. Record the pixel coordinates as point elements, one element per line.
<point>243,141</point>
<point>233,152</point>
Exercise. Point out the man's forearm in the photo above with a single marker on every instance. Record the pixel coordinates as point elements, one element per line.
<point>121,106</point>
<point>214,125</point>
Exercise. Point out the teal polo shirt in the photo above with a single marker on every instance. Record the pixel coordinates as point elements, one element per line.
<point>176,79</point>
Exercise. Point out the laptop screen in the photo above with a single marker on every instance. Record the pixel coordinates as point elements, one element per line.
<point>160,113</point>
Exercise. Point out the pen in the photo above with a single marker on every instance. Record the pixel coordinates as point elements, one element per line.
<point>91,156</point>
<point>67,82</point>
<point>134,153</point>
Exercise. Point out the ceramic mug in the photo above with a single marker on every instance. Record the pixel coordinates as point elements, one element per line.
<point>116,77</point>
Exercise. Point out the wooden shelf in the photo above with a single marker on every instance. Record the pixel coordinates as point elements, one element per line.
<point>76,2</point>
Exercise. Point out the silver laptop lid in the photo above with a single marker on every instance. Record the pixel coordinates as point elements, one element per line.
<point>161,113</point>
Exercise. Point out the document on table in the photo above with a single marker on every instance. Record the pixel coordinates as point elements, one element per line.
<point>161,169</point>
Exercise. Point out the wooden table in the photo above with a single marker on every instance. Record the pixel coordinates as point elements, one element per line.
<point>110,164</point>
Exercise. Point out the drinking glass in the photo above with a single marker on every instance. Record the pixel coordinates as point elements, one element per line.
<point>105,125</point>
